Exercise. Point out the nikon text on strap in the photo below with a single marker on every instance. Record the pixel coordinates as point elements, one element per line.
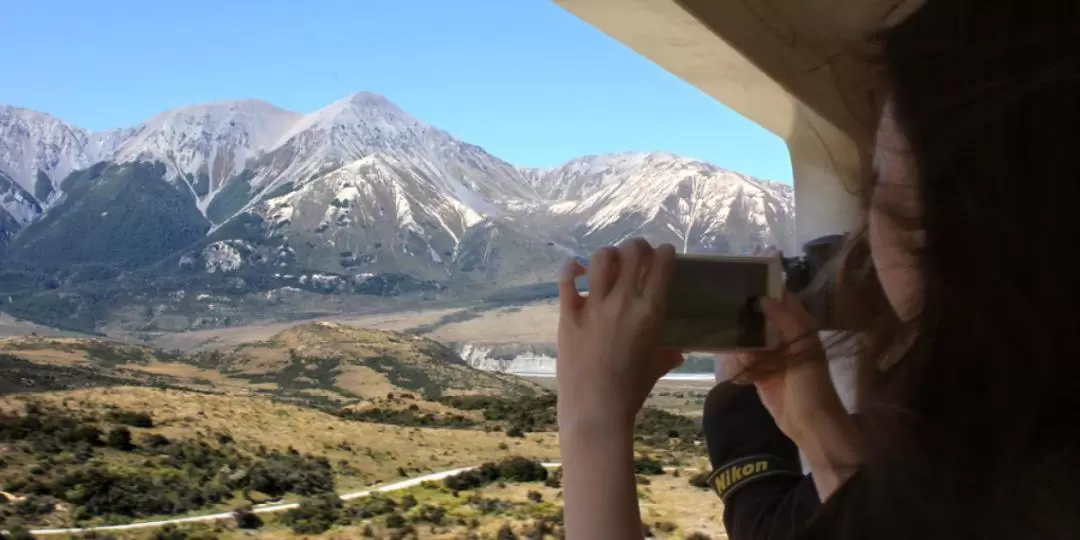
<point>729,478</point>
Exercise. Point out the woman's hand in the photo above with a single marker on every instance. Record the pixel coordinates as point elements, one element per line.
<point>801,397</point>
<point>607,364</point>
<point>608,360</point>
<point>800,393</point>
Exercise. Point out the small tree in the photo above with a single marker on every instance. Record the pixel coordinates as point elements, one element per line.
<point>519,469</point>
<point>246,518</point>
<point>132,418</point>
<point>315,515</point>
<point>648,465</point>
<point>120,439</point>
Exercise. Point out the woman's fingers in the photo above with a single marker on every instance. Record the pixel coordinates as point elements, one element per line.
<point>635,258</point>
<point>790,318</point>
<point>570,300</point>
<point>656,283</point>
<point>603,270</point>
<point>782,318</point>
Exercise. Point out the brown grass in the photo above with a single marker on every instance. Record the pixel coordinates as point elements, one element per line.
<point>530,323</point>
<point>227,337</point>
<point>377,450</point>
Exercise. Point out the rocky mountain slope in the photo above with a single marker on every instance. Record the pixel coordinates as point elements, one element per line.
<point>357,197</point>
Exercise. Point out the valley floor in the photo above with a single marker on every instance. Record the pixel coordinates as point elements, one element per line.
<point>528,323</point>
<point>254,416</point>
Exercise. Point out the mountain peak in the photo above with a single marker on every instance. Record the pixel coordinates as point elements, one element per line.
<point>354,125</point>
<point>368,99</point>
<point>24,113</point>
<point>252,123</point>
<point>226,107</point>
<point>364,109</point>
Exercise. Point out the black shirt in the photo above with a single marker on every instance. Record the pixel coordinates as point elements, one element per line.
<point>737,425</point>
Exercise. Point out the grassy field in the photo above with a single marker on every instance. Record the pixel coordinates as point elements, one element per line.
<point>10,326</point>
<point>374,451</point>
<point>357,455</point>
<point>301,413</point>
<point>528,323</point>
<point>524,509</point>
<point>228,337</point>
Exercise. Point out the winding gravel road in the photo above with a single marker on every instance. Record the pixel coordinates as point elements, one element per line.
<point>260,509</point>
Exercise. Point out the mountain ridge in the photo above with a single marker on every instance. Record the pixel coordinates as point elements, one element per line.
<point>245,198</point>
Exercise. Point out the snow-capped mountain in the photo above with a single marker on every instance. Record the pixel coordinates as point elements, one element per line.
<point>693,205</point>
<point>37,151</point>
<point>355,191</point>
<point>205,146</point>
<point>366,124</point>
<point>391,213</point>
<point>586,175</point>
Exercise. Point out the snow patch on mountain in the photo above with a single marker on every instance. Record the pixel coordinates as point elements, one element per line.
<point>695,205</point>
<point>207,145</point>
<point>38,151</point>
<point>224,256</point>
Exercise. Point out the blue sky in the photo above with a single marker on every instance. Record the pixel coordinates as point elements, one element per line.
<point>524,79</point>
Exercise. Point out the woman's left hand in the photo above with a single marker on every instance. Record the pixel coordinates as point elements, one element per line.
<point>608,360</point>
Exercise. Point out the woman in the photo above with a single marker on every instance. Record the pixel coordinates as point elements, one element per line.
<point>968,394</point>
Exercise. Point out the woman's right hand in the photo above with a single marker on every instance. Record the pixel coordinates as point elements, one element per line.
<point>797,388</point>
<point>800,395</point>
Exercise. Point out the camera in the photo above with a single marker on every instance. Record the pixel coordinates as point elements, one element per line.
<point>803,275</point>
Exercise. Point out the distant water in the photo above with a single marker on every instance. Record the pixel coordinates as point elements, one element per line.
<point>669,377</point>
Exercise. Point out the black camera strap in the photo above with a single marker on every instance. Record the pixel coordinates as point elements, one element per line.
<point>729,478</point>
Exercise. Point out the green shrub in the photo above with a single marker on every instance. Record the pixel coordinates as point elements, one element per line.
<point>120,439</point>
<point>246,518</point>
<point>164,477</point>
<point>395,521</point>
<point>169,532</point>
<point>18,532</point>
<point>648,465</point>
<point>519,469</point>
<point>515,469</point>
<point>373,506</point>
<point>314,515</point>
<point>282,473</point>
<point>430,514</point>
<point>132,418</point>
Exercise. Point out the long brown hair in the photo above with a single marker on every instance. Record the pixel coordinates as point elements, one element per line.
<point>973,433</point>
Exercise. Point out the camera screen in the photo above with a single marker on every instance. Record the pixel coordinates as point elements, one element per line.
<point>713,304</point>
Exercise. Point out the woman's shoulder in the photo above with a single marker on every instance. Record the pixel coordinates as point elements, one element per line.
<point>1034,497</point>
